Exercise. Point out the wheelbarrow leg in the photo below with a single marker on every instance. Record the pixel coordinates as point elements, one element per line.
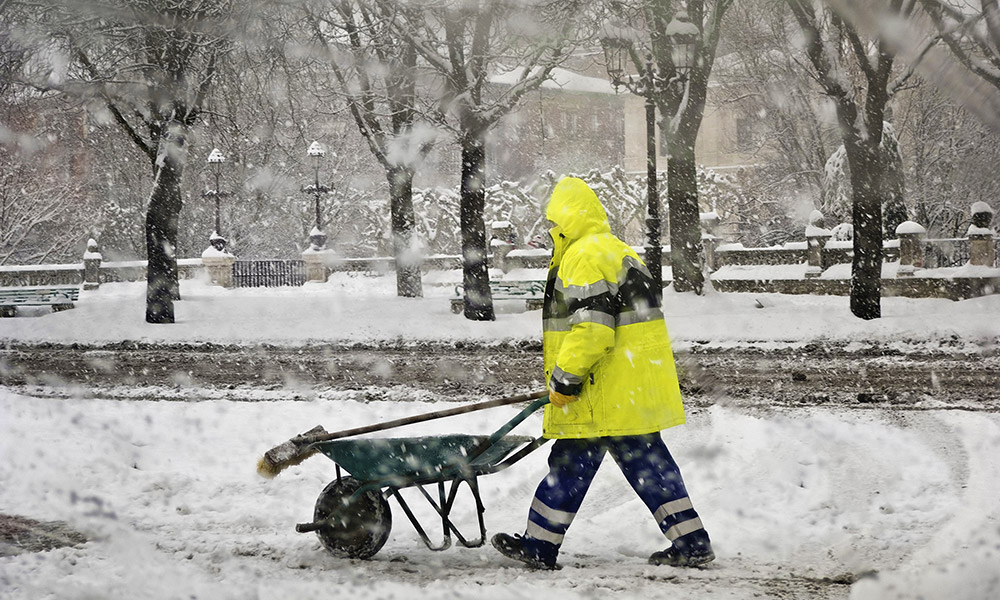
<point>450,502</point>
<point>444,510</point>
<point>480,509</point>
<point>416,524</point>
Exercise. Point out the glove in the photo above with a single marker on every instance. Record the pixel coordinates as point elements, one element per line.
<point>561,400</point>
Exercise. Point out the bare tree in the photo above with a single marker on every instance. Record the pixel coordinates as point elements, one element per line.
<point>781,123</point>
<point>463,43</point>
<point>835,47</point>
<point>151,63</point>
<point>38,208</point>
<point>680,100</point>
<point>972,35</point>
<point>951,158</point>
<point>377,75</point>
<point>39,193</point>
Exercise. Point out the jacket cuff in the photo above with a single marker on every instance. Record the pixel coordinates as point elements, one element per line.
<point>565,383</point>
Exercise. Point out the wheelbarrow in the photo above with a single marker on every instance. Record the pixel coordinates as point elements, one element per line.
<point>352,517</point>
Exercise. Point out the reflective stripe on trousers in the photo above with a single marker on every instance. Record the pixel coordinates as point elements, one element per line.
<point>649,469</point>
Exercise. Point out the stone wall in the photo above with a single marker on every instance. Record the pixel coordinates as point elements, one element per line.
<point>73,274</point>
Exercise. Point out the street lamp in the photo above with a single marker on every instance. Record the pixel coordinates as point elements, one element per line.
<point>316,152</point>
<point>682,36</point>
<point>215,162</point>
<point>619,51</point>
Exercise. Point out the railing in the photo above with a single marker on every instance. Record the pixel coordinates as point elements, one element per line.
<point>269,273</point>
<point>944,253</point>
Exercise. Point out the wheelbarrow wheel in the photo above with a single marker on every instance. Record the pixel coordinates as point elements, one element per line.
<point>358,525</point>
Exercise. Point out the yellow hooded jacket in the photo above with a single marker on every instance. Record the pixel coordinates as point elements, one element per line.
<point>604,337</point>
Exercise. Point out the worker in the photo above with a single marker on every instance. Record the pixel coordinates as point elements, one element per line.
<point>612,387</point>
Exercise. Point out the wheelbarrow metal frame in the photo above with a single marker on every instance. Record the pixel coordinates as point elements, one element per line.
<point>445,502</point>
<point>468,472</point>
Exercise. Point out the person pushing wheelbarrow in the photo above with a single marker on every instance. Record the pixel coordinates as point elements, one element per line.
<point>612,385</point>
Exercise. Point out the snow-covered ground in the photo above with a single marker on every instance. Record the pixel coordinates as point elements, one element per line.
<point>363,309</point>
<point>801,503</point>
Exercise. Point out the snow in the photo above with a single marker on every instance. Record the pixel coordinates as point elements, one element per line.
<point>358,307</point>
<point>910,228</point>
<point>812,232</point>
<point>212,252</point>
<point>986,231</point>
<point>20,268</point>
<point>980,207</point>
<point>561,79</point>
<point>167,493</point>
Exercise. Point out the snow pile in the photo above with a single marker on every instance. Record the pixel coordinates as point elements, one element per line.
<point>168,495</point>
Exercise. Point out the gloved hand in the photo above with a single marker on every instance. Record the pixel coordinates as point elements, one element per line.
<point>561,400</point>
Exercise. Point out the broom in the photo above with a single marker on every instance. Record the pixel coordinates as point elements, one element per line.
<point>302,446</point>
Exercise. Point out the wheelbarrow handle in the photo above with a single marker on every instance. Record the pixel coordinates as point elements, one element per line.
<point>308,438</point>
<point>509,426</point>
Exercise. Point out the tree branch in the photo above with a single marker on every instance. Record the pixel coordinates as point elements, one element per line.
<point>115,111</point>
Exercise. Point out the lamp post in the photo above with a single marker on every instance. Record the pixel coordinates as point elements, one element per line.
<point>215,162</point>
<point>654,250</point>
<point>619,50</point>
<point>317,238</point>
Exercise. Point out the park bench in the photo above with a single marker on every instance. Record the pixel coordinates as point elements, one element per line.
<point>58,297</point>
<point>532,292</point>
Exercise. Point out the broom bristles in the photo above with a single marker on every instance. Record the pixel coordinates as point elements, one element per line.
<point>286,455</point>
<point>269,467</point>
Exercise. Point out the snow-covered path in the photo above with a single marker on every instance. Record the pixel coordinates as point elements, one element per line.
<point>800,502</point>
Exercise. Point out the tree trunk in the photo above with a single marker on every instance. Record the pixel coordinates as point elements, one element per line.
<point>161,236</point>
<point>685,218</point>
<point>866,271</point>
<point>475,275</point>
<point>408,258</point>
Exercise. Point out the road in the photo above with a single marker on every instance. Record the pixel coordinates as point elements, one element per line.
<point>815,374</point>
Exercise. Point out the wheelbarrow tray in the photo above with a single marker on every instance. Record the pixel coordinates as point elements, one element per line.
<point>401,461</point>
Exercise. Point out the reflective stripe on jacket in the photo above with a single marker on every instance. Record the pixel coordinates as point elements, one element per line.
<point>604,337</point>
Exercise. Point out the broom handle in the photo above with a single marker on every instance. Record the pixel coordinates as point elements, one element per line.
<point>461,410</point>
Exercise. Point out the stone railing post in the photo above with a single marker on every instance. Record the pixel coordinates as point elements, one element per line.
<point>709,242</point>
<point>219,264</point>
<point>500,249</point>
<point>982,252</point>
<point>709,223</point>
<point>502,240</point>
<point>816,238</point>
<point>316,269</point>
<point>92,266</point>
<point>911,248</point>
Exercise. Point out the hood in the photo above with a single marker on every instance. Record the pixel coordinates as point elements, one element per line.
<point>575,210</point>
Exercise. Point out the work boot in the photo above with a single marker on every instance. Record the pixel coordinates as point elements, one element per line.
<point>513,546</point>
<point>674,558</point>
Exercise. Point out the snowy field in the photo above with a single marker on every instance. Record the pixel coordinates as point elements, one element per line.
<point>801,503</point>
<point>364,309</point>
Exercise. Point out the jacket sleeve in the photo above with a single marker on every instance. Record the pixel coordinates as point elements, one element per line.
<point>590,301</point>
